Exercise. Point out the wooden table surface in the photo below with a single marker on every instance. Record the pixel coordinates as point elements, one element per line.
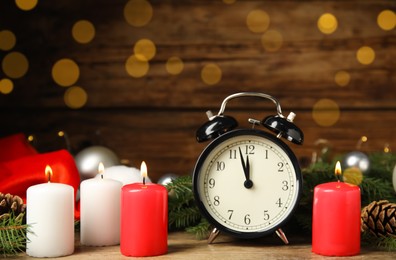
<point>184,246</point>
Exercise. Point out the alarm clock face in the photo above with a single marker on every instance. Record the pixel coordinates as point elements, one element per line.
<point>247,183</point>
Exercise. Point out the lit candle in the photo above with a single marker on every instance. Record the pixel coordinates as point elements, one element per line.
<point>144,218</point>
<point>336,218</point>
<point>100,211</point>
<point>124,174</point>
<point>50,217</point>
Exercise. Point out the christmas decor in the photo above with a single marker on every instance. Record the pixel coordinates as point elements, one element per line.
<point>12,227</point>
<point>379,218</point>
<point>166,178</point>
<point>358,160</point>
<point>88,159</point>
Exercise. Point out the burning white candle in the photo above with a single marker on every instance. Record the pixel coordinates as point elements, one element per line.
<point>100,211</point>
<point>50,216</point>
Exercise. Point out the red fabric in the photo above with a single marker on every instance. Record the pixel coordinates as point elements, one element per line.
<point>15,146</point>
<point>19,173</point>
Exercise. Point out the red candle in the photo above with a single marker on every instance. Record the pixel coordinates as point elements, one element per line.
<point>144,218</point>
<point>336,219</point>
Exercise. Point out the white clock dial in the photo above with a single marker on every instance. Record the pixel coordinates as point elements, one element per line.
<point>248,182</point>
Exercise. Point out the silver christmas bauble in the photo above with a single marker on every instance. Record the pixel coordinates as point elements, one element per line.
<point>166,178</point>
<point>356,159</point>
<point>88,159</point>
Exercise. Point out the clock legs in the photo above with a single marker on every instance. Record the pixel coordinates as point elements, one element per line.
<point>282,235</point>
<point>215,232</point>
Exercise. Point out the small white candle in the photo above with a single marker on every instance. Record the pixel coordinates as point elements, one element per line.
<point>50,216</point>
<point>100,211</point>
<point>124,174</point>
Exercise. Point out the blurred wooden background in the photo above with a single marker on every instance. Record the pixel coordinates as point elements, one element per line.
<point>154,117</point>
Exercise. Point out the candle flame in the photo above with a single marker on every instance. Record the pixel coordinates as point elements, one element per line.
<point>338,170</point>
<point>48,173</point>
<point>143,170</point>
<point>101,168</point>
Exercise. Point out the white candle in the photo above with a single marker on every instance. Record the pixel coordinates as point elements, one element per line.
<point>50,216</point>
<point>100,211</point>
<point>124,174</point>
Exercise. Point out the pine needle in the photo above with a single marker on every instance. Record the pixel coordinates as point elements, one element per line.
<point>12,235</point>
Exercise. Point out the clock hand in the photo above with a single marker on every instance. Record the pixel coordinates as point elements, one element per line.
<point>246,169</point>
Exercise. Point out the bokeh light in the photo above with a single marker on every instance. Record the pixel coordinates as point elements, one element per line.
<point>342,78</point>
<point>6,86</point>
<point>138,13</point>
<point>65,72</point>
<point>211,74</point>
<point>326,112</point>
<point>174,65</point>
<point>135,67</point>
<point>15,65</point>
<point>327,23</point>
<point>365,55</point>
<point>75,97</point>
<point>7,40</point>
<point>144,49</point>
<point>26,5</point>
<point>272,40</point>
<point>386,20</point>
<point>258,21</point>
<point>83,31</point>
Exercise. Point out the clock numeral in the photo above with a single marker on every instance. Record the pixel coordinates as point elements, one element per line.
<point>279,203</point>
<point>285,186</point>
<point>233,154</point>
<point>230,211</point>
<point>212,183</point>
<point>280,165</point>
<point>247,219</point>
<point>220,166</point>
<point>266,215</point>
<point>216,201</point>
<point>249,149</point>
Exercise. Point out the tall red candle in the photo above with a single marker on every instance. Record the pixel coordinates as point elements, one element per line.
<point>144,218</point>
<point>336,219</point>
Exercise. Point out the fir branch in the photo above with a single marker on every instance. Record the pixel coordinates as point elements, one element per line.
<point>184,217</point>
<point>201,230</point>
<point>12,235</point>
<point>376,189</point>
<point>387,243</point>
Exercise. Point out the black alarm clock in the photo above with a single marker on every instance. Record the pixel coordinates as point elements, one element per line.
<point>247,182</point>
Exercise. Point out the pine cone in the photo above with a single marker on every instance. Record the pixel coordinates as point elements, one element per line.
<point>379,218</point>
<point>10,204</point>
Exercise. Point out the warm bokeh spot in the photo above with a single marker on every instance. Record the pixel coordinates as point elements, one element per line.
<point>211,74</point>
<point>272,40</point>
<point>65,72</point>
<point>174,65</point>
<point>342,78</point>
<point>7,40</point>
<point>326,112</point>
<point>135,67</point>
<point>26,5</point>
<point>83,31</point>
<point>75,97</point>
<point>386,20</point>
<point>144,49</point>
<point>6,86</point>
<point>138,13</point>
<point>15,65</point>
<point>258,21</point>
<point>327,23</point>
<point>365,55</point>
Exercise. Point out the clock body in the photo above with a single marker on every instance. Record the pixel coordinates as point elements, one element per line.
<point>247,183</point>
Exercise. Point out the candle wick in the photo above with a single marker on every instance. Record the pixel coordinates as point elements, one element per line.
<point>144,180</point>
<point>101,176</point>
